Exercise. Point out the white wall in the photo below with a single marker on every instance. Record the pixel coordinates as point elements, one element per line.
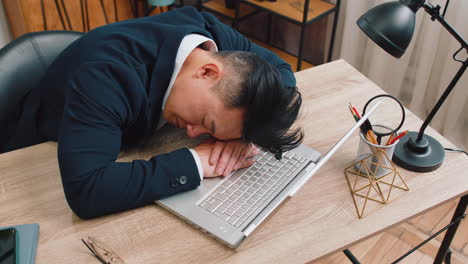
<point>5,35</point>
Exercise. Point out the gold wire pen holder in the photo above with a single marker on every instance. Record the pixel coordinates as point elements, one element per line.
<point>369,187</point>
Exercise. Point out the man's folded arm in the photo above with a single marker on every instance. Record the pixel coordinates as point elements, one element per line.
<point>90,139</point>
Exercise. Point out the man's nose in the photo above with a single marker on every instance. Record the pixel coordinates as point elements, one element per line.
<point>194,131</point>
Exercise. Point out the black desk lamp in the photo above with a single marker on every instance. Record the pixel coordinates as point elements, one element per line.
<point>391,26</point>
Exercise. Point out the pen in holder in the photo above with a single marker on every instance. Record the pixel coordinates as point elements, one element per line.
<point>373,180</point>
<point>379,165</point>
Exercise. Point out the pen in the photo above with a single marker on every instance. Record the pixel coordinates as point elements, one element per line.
<point>398,137</point>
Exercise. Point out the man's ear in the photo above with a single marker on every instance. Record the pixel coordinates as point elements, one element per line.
<point>210,72</point>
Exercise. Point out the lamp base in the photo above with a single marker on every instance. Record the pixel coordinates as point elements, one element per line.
<point>423,156</point>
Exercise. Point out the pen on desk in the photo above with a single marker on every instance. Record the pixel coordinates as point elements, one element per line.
<point>398,137</point>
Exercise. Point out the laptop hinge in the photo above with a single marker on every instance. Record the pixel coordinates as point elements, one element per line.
<point>249,229</point>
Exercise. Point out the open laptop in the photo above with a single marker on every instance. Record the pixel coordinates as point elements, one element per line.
<point>230,208</point>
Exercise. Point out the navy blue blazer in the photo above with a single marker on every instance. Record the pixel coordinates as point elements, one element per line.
<point>105,92</point>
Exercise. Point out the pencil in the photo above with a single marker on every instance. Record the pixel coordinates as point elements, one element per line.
<point>371,137</point>
<point>352,112</point>
<point>390,138</point>
<point>398,137</point>
<point>356,118</point>
<point>355,110</point>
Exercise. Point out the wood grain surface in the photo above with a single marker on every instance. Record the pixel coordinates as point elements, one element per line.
<point>318,221</point>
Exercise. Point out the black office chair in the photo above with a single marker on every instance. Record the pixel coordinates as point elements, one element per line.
<point>23,63</point>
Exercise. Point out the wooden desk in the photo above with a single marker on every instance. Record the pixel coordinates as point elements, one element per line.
<point>318,221</point>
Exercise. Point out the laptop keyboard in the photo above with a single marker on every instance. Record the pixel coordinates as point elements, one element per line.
<point>236,198</point>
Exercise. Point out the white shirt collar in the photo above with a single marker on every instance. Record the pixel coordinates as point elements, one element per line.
<point>187,45</point>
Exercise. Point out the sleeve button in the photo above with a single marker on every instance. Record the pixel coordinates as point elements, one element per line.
<point>183,180</point>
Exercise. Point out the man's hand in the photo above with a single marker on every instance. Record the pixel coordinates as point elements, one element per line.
<point>222,157</point>
<point>204,151</point>
<point>232,155</point>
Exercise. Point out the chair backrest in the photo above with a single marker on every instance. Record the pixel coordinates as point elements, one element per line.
<point>24,61</point>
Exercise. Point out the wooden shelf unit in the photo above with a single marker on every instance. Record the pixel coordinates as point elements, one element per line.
<point>218,6</point>
<point>291,59</point>
<point>291,10</point>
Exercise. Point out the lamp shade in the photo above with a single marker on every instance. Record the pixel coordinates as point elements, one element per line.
<point>390,25</point>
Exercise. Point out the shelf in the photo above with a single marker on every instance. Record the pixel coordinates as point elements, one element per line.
<point>219,7</point>
<point>291,59</point>
<point>289,9</point>
<point>293,9</point>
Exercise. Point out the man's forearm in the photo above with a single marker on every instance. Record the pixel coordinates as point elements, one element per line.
<point>122,186</point>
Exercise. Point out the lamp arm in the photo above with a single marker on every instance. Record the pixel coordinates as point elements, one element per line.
<point>435,15</point>
<point>434,12</point>
<point>442,99</point>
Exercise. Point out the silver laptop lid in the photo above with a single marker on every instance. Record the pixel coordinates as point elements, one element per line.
<point>333,150</point>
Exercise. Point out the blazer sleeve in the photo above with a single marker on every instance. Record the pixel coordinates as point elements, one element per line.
<point>229,39</point>
<point>101,102</point>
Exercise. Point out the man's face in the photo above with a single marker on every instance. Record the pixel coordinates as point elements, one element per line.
<point>195,107</point>
<point>200,110</point>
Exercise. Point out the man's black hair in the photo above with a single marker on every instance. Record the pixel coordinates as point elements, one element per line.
<point>271,108</point>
